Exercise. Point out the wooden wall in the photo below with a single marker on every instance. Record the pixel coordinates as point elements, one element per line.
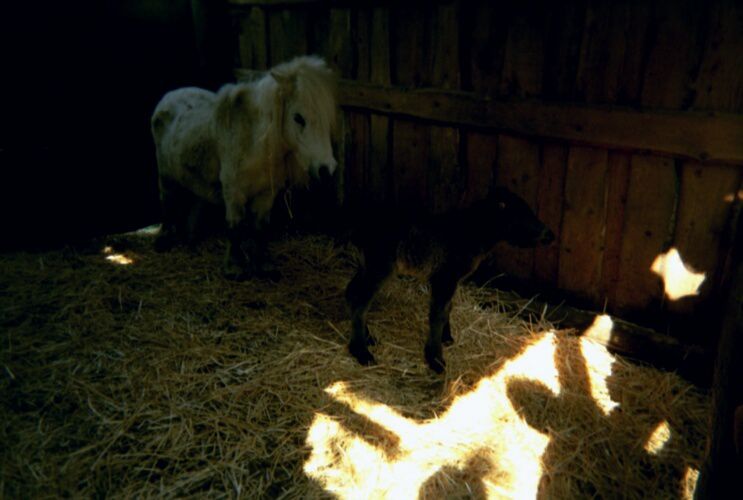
<point>619,122</point>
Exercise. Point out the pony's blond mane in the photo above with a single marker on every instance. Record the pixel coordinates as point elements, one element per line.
<point>308,80</point>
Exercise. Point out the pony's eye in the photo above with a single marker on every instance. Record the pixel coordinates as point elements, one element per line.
<point>501,205</point>
<point>299,119</point>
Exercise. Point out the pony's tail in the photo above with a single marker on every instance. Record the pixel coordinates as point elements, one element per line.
<point>159,122</point>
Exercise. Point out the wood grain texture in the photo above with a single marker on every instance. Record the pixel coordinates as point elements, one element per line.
<point>550,200</point>
<point>706,200</point>
<point>287,34</point>
<point>650,204</point>
<point>252,40</point>
<point>583,224</point>
<point>705,136</point>
<point>445,177</point>
<point>340,47</point>
<point>618,173</point>
<point>410,160</point>
<point>719,84</point>
<point>518,170</point>
<point>482,160</point>
<point>380,168</point>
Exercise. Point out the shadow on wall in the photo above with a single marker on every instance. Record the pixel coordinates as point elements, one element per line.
<point>76,156</point>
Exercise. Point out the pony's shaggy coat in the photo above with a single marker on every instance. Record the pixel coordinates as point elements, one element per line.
<point>241,146</point>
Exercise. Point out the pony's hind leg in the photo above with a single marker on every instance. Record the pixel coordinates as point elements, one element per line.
<point>359,294</point>
<point>175,204</point>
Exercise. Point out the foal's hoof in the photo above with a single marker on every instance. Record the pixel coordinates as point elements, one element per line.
<point>370,339</point>
<point>435,359</point>
<point>362,355</point>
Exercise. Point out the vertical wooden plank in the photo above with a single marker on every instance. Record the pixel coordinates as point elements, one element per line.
<point>410,142</point>
<point>482,160</point>
<point>252,39</point>
<point>562,50</point>
<point>675,54</point>
<point>362,37</point>
<point>719,85</point>
<point>707,193</point>
<point>485,35</point>
<point>287,34</point>
<point>518,170</point>
<point>617,187</point>
<point>582,238</point>
<point>340,43</point>
<point>650,204</point>
<point>444,172</point>
<point>524,59</point>
<point>357,154</point>
<point>379,176</point>
<point>550,199</point>
<point>410,64</point>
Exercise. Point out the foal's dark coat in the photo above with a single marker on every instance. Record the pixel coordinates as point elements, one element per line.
<point>444,249</point>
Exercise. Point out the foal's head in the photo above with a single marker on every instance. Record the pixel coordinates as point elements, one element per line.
<point>307,87</point>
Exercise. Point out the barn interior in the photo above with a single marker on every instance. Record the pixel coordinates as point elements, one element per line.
<point>607,364</point>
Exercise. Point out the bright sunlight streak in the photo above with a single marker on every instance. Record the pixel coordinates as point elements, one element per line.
<point>658,438</point>
<point>679,280</point>
<point>482,424</point>
<point>116,258</point>
<point>690,483</point>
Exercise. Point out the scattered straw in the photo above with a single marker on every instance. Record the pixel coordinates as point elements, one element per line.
<point>159,377</point>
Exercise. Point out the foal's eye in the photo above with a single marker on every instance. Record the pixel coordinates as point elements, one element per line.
<point>502,205</point>
<point>299,119</point>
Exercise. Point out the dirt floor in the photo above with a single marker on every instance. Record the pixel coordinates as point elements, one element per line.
<point>126,372</point>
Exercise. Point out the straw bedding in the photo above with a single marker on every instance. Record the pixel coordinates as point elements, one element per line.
<point>160,378</point>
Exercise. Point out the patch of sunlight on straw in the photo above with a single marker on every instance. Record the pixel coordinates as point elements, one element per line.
<point>599,361</point>
<point>116,258</point>
<point>689,484</point>
<point>658,438</point>
<point>481,421</point>
<point>679,281</point>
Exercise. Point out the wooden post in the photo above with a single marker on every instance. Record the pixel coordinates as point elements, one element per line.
<point>722,472</point>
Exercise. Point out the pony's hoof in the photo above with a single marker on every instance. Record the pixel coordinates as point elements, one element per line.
<point>236,273</point>
<point>268,274</point>
<point>362,355</point>
<point>435,359</point>
<point>164,242</point>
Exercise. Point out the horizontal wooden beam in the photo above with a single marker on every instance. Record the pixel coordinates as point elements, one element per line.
<point>269,3</point>
<point>714,137</point>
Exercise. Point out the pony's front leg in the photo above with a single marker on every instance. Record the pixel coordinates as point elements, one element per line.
<point>261,263</point>
<point>235,262</point>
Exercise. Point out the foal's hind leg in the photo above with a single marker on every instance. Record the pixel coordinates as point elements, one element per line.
<point>443,286</point>
<point>359,294</point>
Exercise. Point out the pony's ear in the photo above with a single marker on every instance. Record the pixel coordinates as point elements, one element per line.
<point>285,81</point>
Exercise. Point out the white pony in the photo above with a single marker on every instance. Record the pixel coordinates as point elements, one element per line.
<point>240,147</point>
